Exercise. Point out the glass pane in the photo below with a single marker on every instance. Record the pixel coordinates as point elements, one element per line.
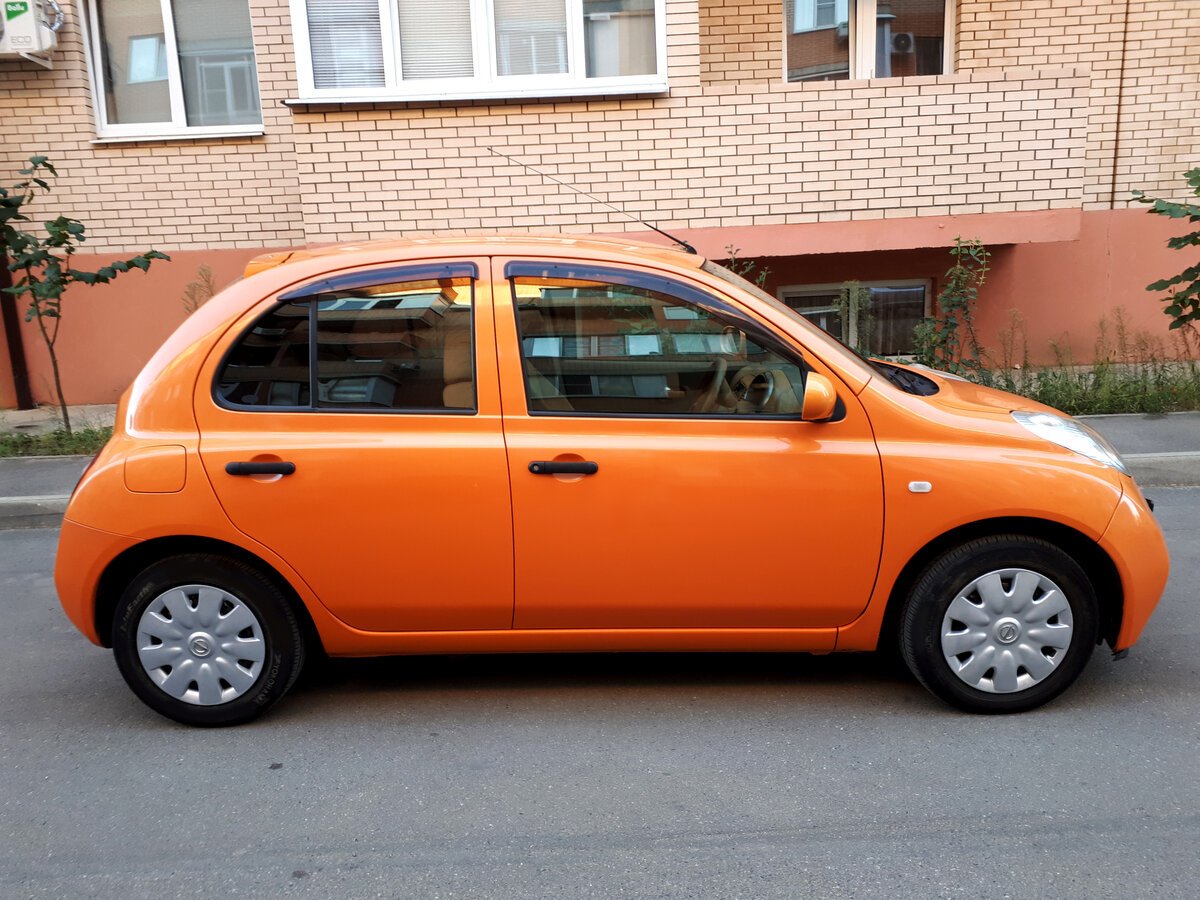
<point>910,37</point>
<point>435,39</point>
<point>397,346</point>
<point>531,37</point>
<point>896,312</point>
<point>346,42</point>
<point>597,347</point>
<point>619,37</point>
<point>134,62</point>
<point>269,365</point>
<point>216,60</point>
<point>885,328</point>
<point>818,39</point>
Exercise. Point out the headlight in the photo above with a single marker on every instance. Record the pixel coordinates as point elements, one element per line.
<point>1073,435</point>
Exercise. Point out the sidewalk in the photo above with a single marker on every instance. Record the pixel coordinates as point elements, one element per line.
<point>1160,451</point>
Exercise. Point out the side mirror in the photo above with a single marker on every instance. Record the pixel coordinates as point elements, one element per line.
<point>820,399</point>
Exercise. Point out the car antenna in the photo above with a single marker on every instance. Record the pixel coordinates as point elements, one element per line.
<point>680,241</point>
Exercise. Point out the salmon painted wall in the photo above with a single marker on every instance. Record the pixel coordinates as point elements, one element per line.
<point>1062,288</point>
<point>109,331</point>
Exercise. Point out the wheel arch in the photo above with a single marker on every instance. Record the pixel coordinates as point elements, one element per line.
<point>126,565</point>
<point>1091,557</point>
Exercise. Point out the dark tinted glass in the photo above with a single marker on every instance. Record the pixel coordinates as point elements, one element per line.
<point>269,365</point>
<point>396,346</point>
<point>402,346</point>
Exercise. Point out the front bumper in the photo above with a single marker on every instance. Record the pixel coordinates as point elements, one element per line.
<point>1135,544</point>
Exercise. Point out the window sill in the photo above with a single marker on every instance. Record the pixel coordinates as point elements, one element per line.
<point>646,86</point>
<point>191,134</point>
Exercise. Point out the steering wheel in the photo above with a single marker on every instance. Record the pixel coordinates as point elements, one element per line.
<point>753,385</point>
<point>708,400</point>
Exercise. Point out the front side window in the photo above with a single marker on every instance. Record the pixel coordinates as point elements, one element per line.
<point>835,39</point>
<point>409,49</point>
<point>875,318</point>
<point>597,343</point>
<point>400,345</point>
<point>173,67</point>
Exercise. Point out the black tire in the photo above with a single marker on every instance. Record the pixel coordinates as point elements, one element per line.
<point>275,634</point>
<point>925,612</point>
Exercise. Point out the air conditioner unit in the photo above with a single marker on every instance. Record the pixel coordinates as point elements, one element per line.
<point>29,29</point>
<point>903,43</point>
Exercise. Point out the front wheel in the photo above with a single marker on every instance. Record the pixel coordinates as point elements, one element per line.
<point>1000,624</point>
<point>206,640</point>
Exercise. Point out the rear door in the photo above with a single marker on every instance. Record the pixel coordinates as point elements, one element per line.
<point>661,474</point>
<point>377,389</point>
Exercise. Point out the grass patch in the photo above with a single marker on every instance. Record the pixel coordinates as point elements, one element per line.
<point>83,442</point>
<point>1151,387</point>
<point>1134,372</point>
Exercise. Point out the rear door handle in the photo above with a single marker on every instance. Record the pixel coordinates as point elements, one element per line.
<point>550,467</point>
<point>260,468</point>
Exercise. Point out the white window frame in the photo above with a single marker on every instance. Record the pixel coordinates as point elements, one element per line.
<point>177,128</point>
<point>862,21</point>
<point>485,84</point>
<point>791,291</point>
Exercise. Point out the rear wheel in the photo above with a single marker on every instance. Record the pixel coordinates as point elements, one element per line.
<point>1000,624</point>
<point>206,640</point>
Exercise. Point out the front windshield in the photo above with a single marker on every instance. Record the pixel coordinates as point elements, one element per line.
<point>906,380</point>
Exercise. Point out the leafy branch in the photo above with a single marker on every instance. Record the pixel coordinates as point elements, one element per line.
<point>42,262</point>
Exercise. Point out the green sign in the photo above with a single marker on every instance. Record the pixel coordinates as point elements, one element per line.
<point>14,8</point>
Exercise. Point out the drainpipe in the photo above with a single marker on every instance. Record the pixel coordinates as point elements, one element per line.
<point>12,335</point>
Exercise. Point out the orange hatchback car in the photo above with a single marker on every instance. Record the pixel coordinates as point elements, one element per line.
<point>557,444</point>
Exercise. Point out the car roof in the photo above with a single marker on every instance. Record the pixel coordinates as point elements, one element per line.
<point>486,245</point>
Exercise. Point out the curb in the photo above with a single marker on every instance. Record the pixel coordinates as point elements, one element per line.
<point>1165,469</point>
<point>32,512</point>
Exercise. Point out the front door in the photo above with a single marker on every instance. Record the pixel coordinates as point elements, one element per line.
<point>379,388</point>
<point>661,474</point>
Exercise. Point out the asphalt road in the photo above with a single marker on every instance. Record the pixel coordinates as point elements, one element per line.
<point>601,776</point>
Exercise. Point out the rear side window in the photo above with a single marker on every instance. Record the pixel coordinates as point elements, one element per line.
<point>404,344</point>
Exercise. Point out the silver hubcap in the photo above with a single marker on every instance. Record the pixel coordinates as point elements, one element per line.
<point>1007,630</point>
<point>201,644</point>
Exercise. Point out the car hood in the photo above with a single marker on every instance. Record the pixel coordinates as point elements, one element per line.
<point>958,393</point>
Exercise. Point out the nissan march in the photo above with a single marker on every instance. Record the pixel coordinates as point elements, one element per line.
<point>559,444</point>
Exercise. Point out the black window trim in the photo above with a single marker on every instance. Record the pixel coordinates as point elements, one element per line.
<point>663,285</point>
<point>307,296</point>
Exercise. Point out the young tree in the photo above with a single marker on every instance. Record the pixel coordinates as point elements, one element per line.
<point>1183,301</point>
<point>41,263</point>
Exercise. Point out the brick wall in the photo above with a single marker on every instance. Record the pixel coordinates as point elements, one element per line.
<point>1029,121</point>
<point>169,194</point>
<point>1143,60</point>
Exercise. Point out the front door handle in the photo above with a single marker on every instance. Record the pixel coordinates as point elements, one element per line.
<point>260,468</point>
<point>550,467</point>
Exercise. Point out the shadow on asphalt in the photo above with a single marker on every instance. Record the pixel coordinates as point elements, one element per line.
<point>566,672</point>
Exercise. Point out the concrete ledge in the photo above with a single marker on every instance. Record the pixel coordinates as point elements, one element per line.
<point>1165,469</point>
<point>32,512</point>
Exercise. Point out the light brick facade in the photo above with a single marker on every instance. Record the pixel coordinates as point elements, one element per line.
<point>1052,105</point>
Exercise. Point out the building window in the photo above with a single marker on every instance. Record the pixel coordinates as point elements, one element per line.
<point>893,312</point>
<point>351,50</point>
<point>834,39</point>
<point>163,68</point>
